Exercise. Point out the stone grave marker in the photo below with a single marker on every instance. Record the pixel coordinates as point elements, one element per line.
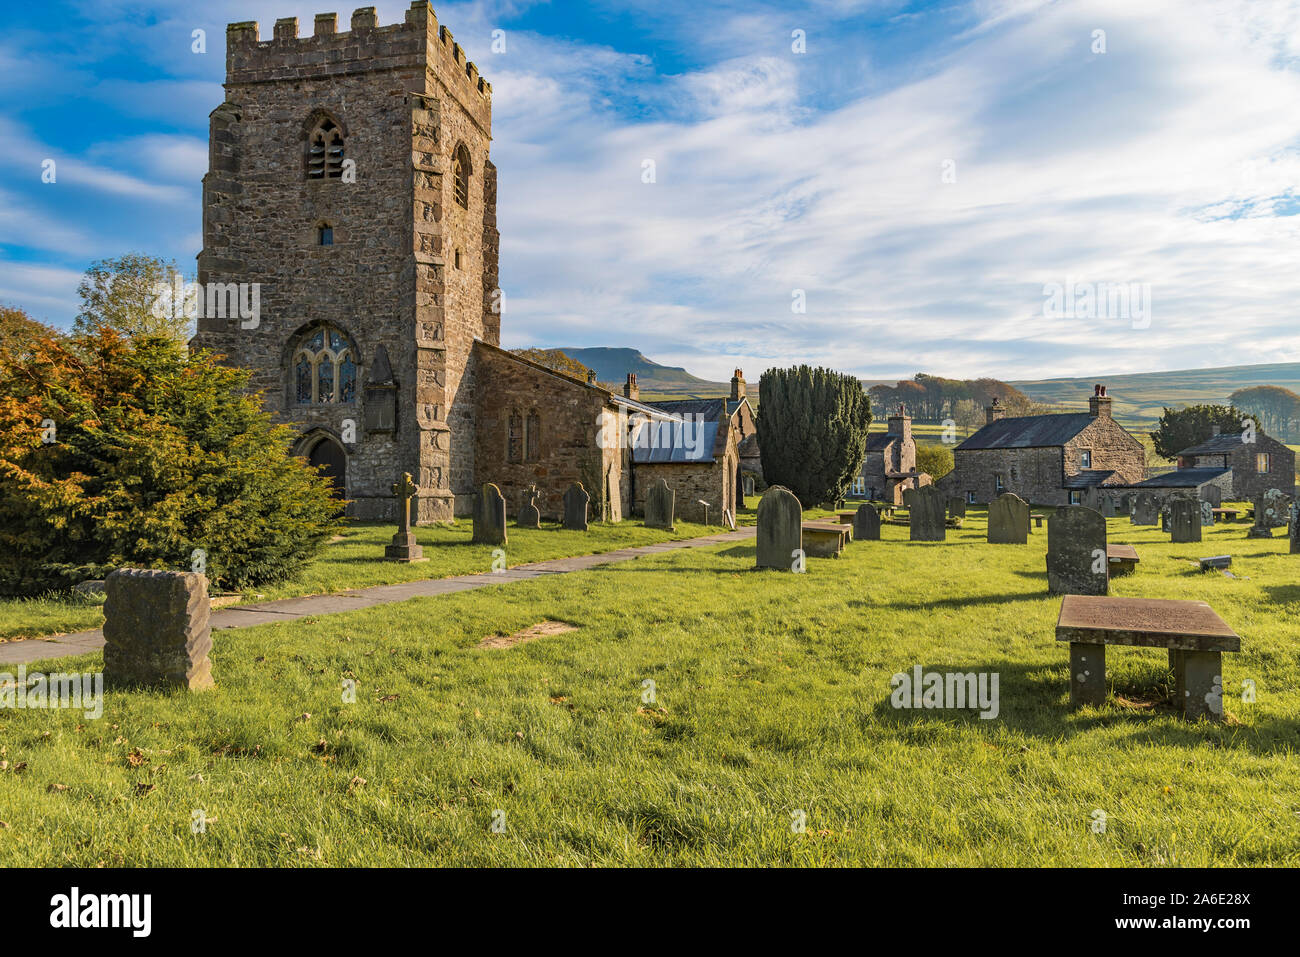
<point>956,507</point>
<point>749,485</point>
<point>530,516</point>
<point>1109,508</point>
<point>1207,514</point>
<point>1270,512</point>
<point>1295,525</point>
<point>909,495</point>
<point>1008,520</point>
<point>1145,511</point>
<point>157,629</point>
<point>576,502</point>
<point>1185,520</point>
<point>926,519</point>
<point>489,516</point>
<point>403,547</point>
<point>780,528</point>
<point>1077,562</point>
<point>866,524</point>
<point>660,506</point>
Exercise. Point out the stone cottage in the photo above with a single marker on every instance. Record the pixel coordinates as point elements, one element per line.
<point>1046,459</point>
<point>1258,462</point>
<point>350,184</point>
<point>889,465</point>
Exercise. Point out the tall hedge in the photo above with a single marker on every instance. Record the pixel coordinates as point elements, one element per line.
<point>152,454</point>
<point>812,431</point>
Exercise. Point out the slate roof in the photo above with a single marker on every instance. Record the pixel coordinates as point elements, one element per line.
<point>663,441</point>
<point>879,441</point>
<point>711,408</point>
<point>1215,445</point>
<point>1029,431</point>
<point>1088,478</point>
<point>1182,478</point>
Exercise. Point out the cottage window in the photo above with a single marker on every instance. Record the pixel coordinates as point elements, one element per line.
<point>515,439</point>
<point>970,498</point>
<point>998,482</point>
<point>1085,458</point>
<point>325,151</point>
<point>324,368</point>
<point>859,485</point>
<point>1261,462</point>
<point>1075,498</point>
<point>532,436</point>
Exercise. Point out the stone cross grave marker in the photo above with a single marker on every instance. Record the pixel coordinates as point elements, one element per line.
<point>403,547</point>
<point>866,524</point>
<point>1185,520</point>
<point>489,516</point>
<point>530,516</point>
<point>576,503</point>
<point>926,518</point>
<point>157,629</point>
<point>1144,511</point>
<point>660,506</point>
<point>1270,512</point>
<point>1077,563</point>
<point>1008,520</point>
<point>780,529</point>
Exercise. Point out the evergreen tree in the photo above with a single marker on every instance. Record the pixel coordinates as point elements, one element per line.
<point>1183,428</point>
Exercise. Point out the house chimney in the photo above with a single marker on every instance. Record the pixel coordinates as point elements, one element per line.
<point>900,424</point>
<point>1099,403</point>
<point>993,412</point>
<point>737,386</point>
<point>630,391</point>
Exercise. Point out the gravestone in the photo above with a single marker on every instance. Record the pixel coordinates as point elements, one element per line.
<point>530,516</point>
<point>1184,520</point>
<point>489,516</point>
<point>1109,509</point>
<point>660,506</point>
<point>1270,512</point>
<point>157,629</point>
<point>576,501</point>
<point>749,485</point>
<point>1076,552</point>
<point>866,524</point>
<point>1145,511</point>
<point>1008,520</point>
<point>780,528</point>
<point>909,496</point>
<point>403,547</point>
<point>1295,525</point>
<point>1207,515</point>
<point>926,518</point>
<point>956,507</point>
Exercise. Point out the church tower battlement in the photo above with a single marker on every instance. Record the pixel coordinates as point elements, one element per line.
<point>349,177</point>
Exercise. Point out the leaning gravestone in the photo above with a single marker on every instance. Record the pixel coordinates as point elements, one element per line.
<point>660,505</point>
<point>926,519</point>
<point>1184,520</point>
<point>866,524</point>
<point>780,529</point>
<point>490,516</point>
<point>576,501</point>
<point>1008,520</point>
<point>1145,511</point>
<point>1076,552</point>
<point>157,629</point>
<point>1207,515</point>
<point>956,507</point>
<point>530,516</point>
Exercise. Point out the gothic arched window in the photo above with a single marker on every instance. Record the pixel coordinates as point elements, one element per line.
<point>462,168</point>
<point>324,368</point>
<point>515,447</point>
<point>532,436</point>
<point>325,151</point>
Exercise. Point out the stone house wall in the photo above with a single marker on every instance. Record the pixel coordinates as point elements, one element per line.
<point>1034,474</point>
<point>1247,480</point>
<point>1113,449</point>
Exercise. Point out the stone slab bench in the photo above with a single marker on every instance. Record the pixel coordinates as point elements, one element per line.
<point>1194,635</point>
<point>1122,559</point>
<point>825,539</point>
<point>1230,514</point>
<point>1038,518</point>
<point>1214,561</point>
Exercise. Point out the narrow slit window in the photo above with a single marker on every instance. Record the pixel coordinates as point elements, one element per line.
<point>325,236</point>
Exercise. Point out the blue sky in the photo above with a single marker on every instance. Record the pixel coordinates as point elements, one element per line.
<point>1170,160</point>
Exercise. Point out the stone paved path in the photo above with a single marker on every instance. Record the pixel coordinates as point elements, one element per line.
<point>288,609</point>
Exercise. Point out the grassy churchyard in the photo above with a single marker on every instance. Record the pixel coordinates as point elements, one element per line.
<point>698,713</point>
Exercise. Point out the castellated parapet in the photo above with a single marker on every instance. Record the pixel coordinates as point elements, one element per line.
<point>392,252</point>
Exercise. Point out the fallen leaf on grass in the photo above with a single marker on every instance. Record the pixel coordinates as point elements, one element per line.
<point>55,788</point>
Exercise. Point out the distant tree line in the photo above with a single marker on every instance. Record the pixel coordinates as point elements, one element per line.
<point>1276,411</point>
<point>931,398</point>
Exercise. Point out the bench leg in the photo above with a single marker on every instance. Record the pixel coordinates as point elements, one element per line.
<point>1202,685</point>
<point>1176,666</point>
<point>1087,674</point>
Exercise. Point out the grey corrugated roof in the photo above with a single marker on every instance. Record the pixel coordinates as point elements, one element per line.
<point>674,441</point>
<point>1215,444</point>
<point>1029,431</point>
<point>1181,478</point>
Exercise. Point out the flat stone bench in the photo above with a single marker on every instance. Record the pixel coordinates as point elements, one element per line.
<point>1123,559</point>
<point>846,517</point>
<point>1193,634</point>
<point>825,539</point>
<point>1038,518</point>
<point>1230,514</point>
<point>1214,561</point>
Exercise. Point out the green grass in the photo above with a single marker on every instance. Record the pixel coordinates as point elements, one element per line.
<point>772,697</point>
<point>356,561</point>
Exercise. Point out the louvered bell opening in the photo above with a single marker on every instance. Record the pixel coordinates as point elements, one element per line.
<point>316,160</point>
<point>334,158</point>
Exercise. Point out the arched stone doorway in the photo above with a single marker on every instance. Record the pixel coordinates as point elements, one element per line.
<point>329,459</point>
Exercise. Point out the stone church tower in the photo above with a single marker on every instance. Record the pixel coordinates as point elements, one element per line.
<point>349,178</point>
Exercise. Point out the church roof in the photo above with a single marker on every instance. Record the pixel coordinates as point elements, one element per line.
<point>673,440</point>
<point>1029,431</point>
<point>707,407</point>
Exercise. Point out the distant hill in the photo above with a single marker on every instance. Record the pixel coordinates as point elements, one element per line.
<point>613,365</point>
<point>1139,397</point>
